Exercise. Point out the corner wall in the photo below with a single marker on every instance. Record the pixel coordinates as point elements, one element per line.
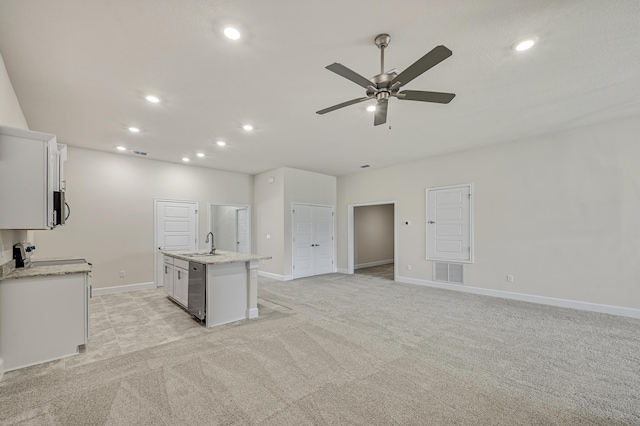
<point>559,212</point>
<point>10,115</point>
<point>268,220</point>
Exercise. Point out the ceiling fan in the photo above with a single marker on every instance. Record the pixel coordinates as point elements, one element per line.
<point>387,84</point>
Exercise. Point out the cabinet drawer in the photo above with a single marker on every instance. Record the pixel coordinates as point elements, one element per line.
<point>168,260</point>
<point>184,264</point>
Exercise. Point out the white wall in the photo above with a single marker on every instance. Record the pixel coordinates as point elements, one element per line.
<point>268,219</point>
<point>560,212</point>
<point>223,220</point>
<point>373,235</point>
<point>112,218</point>
<point>272,211</point>
<point>10,115</point>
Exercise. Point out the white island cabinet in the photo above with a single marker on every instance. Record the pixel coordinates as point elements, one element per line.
<point>176,279</point>
<point>43,318</point>
<point>231,283</point>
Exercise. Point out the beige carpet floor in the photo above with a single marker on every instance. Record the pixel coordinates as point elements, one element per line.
<point>358,350</point>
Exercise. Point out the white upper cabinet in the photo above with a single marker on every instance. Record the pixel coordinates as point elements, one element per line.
<point>31,180</point>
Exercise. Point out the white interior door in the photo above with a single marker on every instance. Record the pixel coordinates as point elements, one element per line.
<point>312,240</point>
<point>302,241</point>
<point>449,224</point>
<point>242,231</point>
<point>176,229</point>
<point>323,237</point>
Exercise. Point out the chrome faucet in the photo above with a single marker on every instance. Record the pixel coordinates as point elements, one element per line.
<point>213,249</point>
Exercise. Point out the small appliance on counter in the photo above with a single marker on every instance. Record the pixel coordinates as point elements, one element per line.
<point>22,254</point>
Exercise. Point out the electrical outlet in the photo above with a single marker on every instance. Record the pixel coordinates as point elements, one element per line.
<point>408,267</point>
<point>121,274</point>
<point>509,278</point>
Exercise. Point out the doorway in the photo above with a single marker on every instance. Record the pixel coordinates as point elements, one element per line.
<point>372,239</point>
<point>175,228</point>
<point>231,226</point>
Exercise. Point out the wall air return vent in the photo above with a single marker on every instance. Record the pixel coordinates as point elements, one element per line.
<point>140,153</point>
<point>448,272</point>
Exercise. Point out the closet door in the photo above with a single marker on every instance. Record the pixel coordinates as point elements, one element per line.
<point>312,240</point>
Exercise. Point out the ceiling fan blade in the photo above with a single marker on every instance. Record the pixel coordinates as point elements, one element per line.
<point>342,105</point>
<point>349,75</point>
<point>381,112</point>
<point>418,95</point>
<point>430,60</point>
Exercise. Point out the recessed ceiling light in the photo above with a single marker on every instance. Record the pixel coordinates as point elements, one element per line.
<point>153,99</point>
<point>525,44</point>
<point>121,148</point>
<point>200,154</point>
<point>248,127</point>
<point>134,129</point>
<point>371,108</point>
<point>232,33</point>
<point>221,143</point>
<point>186,159</point>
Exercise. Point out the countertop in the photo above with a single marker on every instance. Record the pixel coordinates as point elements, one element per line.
<point>221,256</point>
<point>43,271</point>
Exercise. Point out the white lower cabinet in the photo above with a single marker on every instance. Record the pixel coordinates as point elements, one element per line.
<point>176,280</point>
<point>42,318</point>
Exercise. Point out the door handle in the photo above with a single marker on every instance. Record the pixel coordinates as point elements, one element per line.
<point>161,248</point>
<point>431,222</point>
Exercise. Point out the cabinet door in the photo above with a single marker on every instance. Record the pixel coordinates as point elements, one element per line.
<point>180,284</point>
<point>167,280</point>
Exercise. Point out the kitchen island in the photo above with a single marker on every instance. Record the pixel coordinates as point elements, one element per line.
<point>230,283</point>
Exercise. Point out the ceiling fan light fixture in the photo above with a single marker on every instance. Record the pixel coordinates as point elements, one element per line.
<point>232,33</point>
<point>525,44</point>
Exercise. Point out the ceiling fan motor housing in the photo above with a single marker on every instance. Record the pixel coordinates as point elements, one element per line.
<point>382,82</point>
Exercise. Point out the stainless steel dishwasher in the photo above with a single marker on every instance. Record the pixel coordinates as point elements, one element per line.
<point>197,300</point>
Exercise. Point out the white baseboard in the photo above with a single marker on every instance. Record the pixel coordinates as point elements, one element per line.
<point>343,271</point>
<point>252,313</point>
<point>122,288</point>
<point>543,300</point>
<point>276,277</point>
<point>1,368</point>
<point>370,264</point>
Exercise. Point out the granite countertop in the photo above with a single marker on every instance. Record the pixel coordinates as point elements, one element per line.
<point>221,256</point>
<point>8,271</point>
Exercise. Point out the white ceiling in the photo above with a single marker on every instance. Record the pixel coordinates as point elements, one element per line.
<point>81,70</point>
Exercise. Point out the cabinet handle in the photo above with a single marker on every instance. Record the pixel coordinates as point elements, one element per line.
<point>165,269</point>
<point>178,274</point>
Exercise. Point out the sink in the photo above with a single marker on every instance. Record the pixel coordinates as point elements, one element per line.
<point>200,254</point>
<point>56,262</point>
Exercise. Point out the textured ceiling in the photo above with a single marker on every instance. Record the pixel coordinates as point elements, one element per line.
<point>81,70</point>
